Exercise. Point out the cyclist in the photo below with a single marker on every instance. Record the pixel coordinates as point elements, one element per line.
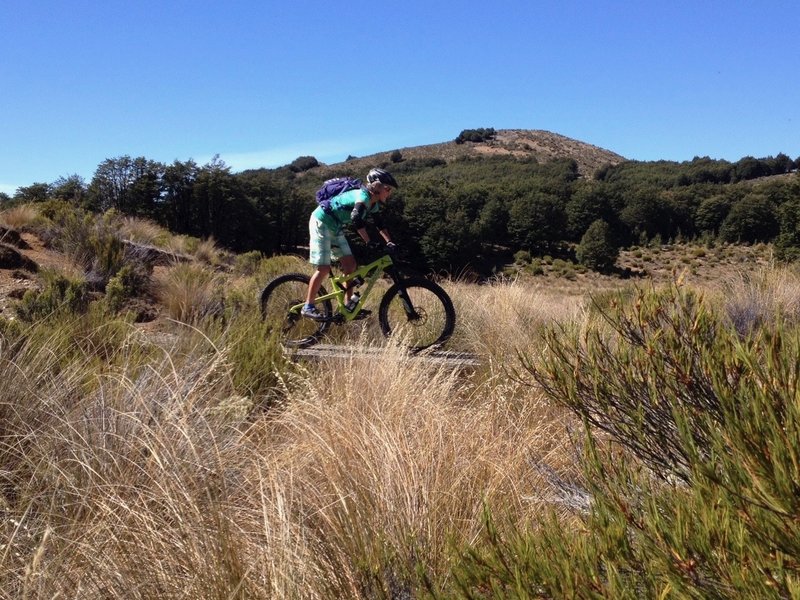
<point>326,233</point>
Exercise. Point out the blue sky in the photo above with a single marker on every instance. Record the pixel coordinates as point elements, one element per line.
<point>263,82</point>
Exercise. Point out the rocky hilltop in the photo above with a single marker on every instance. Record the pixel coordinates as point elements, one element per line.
<point>542,145</point>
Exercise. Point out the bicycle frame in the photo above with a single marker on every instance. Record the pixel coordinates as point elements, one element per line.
<point>370,273</point>
<point>429,317</point>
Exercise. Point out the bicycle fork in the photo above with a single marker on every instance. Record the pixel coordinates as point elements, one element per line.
<point>408,306</point>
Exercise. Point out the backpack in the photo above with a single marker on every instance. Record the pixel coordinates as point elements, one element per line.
<point>334,187</point>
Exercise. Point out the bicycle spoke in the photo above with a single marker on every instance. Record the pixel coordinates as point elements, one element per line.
<point>278,297</point>
<point>428,321</point>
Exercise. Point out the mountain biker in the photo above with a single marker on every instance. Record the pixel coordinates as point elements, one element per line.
<point>326,233</point>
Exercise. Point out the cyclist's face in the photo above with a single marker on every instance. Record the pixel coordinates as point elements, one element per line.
<point>386,191</point>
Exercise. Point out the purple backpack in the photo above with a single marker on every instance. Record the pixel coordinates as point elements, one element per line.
<point>334,187</point>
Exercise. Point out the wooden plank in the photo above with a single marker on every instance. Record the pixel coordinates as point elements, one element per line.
<point>440,357</point>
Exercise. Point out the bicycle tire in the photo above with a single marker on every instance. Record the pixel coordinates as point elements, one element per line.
<point>278,296</point>
<point>434,315</point>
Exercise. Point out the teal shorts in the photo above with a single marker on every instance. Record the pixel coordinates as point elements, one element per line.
<point>325,244</point>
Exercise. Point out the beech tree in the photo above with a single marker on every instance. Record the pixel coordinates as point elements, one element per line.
<point>597,249</point>
<point>752,219</point>
<point>130,185</point>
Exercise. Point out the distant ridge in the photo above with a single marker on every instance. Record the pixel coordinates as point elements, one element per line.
<point>544,146</point>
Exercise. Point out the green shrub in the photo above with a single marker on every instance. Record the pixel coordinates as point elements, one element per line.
<point>248,263</point>
<point>692,462</point>
<point>103,256</point>
<point>522,257</point>
<point>129,282</point>
<point>483,134</point>
<point>258,366</point>
<point>60,294</point>
<point>536,268</point>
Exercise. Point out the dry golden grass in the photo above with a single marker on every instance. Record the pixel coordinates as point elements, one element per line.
<point>389,462</point>
<point>206,251</point>
<point>115,491</point>
<point>500,319</point>
<point>143,231</point>
<point>189,292</point>
<point>19,217</point>
<point>162,482</point>
<point>149,473</point>
<point>750,297</point>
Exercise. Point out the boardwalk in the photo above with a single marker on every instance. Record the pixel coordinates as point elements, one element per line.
<point>435,357</point>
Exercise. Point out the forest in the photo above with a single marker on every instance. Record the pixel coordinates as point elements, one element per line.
<point>468,213</point>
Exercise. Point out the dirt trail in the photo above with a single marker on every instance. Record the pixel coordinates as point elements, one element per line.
<point>16,280</point>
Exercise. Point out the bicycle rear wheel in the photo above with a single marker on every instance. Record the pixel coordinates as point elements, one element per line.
<point>279,296</point>
<point>418,312</point>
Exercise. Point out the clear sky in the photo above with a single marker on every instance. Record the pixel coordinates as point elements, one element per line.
<point>261,82</point>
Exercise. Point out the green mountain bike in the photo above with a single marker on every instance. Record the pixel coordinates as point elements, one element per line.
<point>414,309</point>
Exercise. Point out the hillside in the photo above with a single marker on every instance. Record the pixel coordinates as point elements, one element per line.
<point>544,146</point>
<point>189,457</point>
<point>24,256</point>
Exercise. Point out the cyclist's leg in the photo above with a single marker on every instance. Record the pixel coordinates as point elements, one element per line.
<point>320,239</point>
<point>316,281</point>
<point>340,249</point>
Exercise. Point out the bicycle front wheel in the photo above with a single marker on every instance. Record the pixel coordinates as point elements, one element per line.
<point>418,312</point>
<point>284,293</point>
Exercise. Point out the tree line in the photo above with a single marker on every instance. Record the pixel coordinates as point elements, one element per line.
<point>471,212</point>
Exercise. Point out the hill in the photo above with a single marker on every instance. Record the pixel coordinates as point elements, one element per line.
<point>543,146</point>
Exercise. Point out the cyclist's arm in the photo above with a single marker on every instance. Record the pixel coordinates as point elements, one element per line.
<point>376,218</point>
<point>357,218</point>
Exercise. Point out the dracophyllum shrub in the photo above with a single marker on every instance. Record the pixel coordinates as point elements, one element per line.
<point>668,368</point>
<point>693,460</point>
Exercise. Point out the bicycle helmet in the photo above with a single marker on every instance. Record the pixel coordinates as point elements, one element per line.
<point>383,176</point>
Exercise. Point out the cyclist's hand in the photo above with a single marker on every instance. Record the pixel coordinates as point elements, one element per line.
<point>391,248</point>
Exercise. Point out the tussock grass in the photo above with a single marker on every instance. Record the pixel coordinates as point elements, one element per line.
<point>189,292</point>
<point>159,474</point>
<point>116,474</point>
<point>181,244</point>
<point>195,460</point>
<point>19,217</point>
<point>143,231</point>
<point>389,463</point>
<point>751,298</point>
<point>120,485</point>
<point>206,250</point>
<point>500,319</point>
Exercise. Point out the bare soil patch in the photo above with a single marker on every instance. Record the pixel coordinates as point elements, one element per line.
<point>23,261</point>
